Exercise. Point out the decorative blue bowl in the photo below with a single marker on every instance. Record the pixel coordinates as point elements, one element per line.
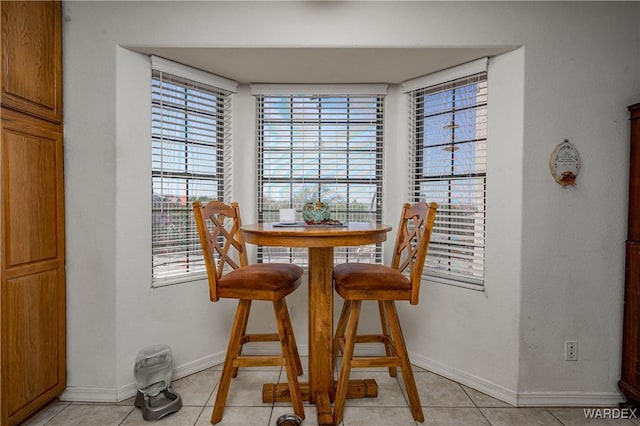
<point>315,213</point>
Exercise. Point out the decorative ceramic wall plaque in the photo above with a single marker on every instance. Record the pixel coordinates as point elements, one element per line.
<point>565,163</point>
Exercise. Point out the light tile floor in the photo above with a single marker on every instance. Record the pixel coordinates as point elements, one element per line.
<point>444,403</point>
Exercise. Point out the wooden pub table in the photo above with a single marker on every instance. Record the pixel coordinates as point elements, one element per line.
<point>320,240</point>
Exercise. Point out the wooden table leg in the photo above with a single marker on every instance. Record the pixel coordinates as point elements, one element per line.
<point>320,326</point>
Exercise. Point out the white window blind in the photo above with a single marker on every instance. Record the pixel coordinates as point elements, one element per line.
<point>448,164</point>
<point>320,147</point>
<point>190,144</point>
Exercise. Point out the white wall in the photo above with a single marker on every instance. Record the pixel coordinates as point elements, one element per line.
<point>555,261</point>
<point>573,240</point>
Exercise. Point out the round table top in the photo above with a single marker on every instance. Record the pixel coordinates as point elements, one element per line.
<point>352,234</point>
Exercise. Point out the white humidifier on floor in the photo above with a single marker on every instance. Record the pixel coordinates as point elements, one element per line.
<point>153,371</point>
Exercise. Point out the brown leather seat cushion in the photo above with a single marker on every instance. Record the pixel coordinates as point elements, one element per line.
<point>370,281</point>
<point>268,279</point>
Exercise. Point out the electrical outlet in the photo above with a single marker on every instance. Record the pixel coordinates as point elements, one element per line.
<point>570,350</point>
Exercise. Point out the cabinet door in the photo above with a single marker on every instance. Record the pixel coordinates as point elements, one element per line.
<point>32,284</point>
<point>31,58</point>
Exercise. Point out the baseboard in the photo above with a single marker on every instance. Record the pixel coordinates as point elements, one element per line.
<point>520,399</point>
<point>570,399</point>
<point>113,394</point>
<point>478,383</point>
<point>89,394</point>
<point>198,365</point>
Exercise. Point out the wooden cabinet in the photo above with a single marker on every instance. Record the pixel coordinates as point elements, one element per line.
<point>32,58</point>
<point>629,383</point>
<point>32,245</point>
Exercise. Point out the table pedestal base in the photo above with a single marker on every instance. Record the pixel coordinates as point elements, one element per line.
<point>365,388</point>
<point>323,406</point>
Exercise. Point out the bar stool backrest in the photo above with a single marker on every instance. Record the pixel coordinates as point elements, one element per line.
<point>222,244</point>
<point>412,242</point>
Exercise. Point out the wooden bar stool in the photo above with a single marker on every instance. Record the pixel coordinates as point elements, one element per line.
<point>233,278</point>
<point>356,282</point>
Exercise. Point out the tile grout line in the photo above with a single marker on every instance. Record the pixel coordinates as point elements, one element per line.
<point>554,416</point>
<point>127,416</point>
<point>273,404</point>
<point>204,406</point>
<point>54,416</point>
<point>200,414</point>
<point>475,404</point>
